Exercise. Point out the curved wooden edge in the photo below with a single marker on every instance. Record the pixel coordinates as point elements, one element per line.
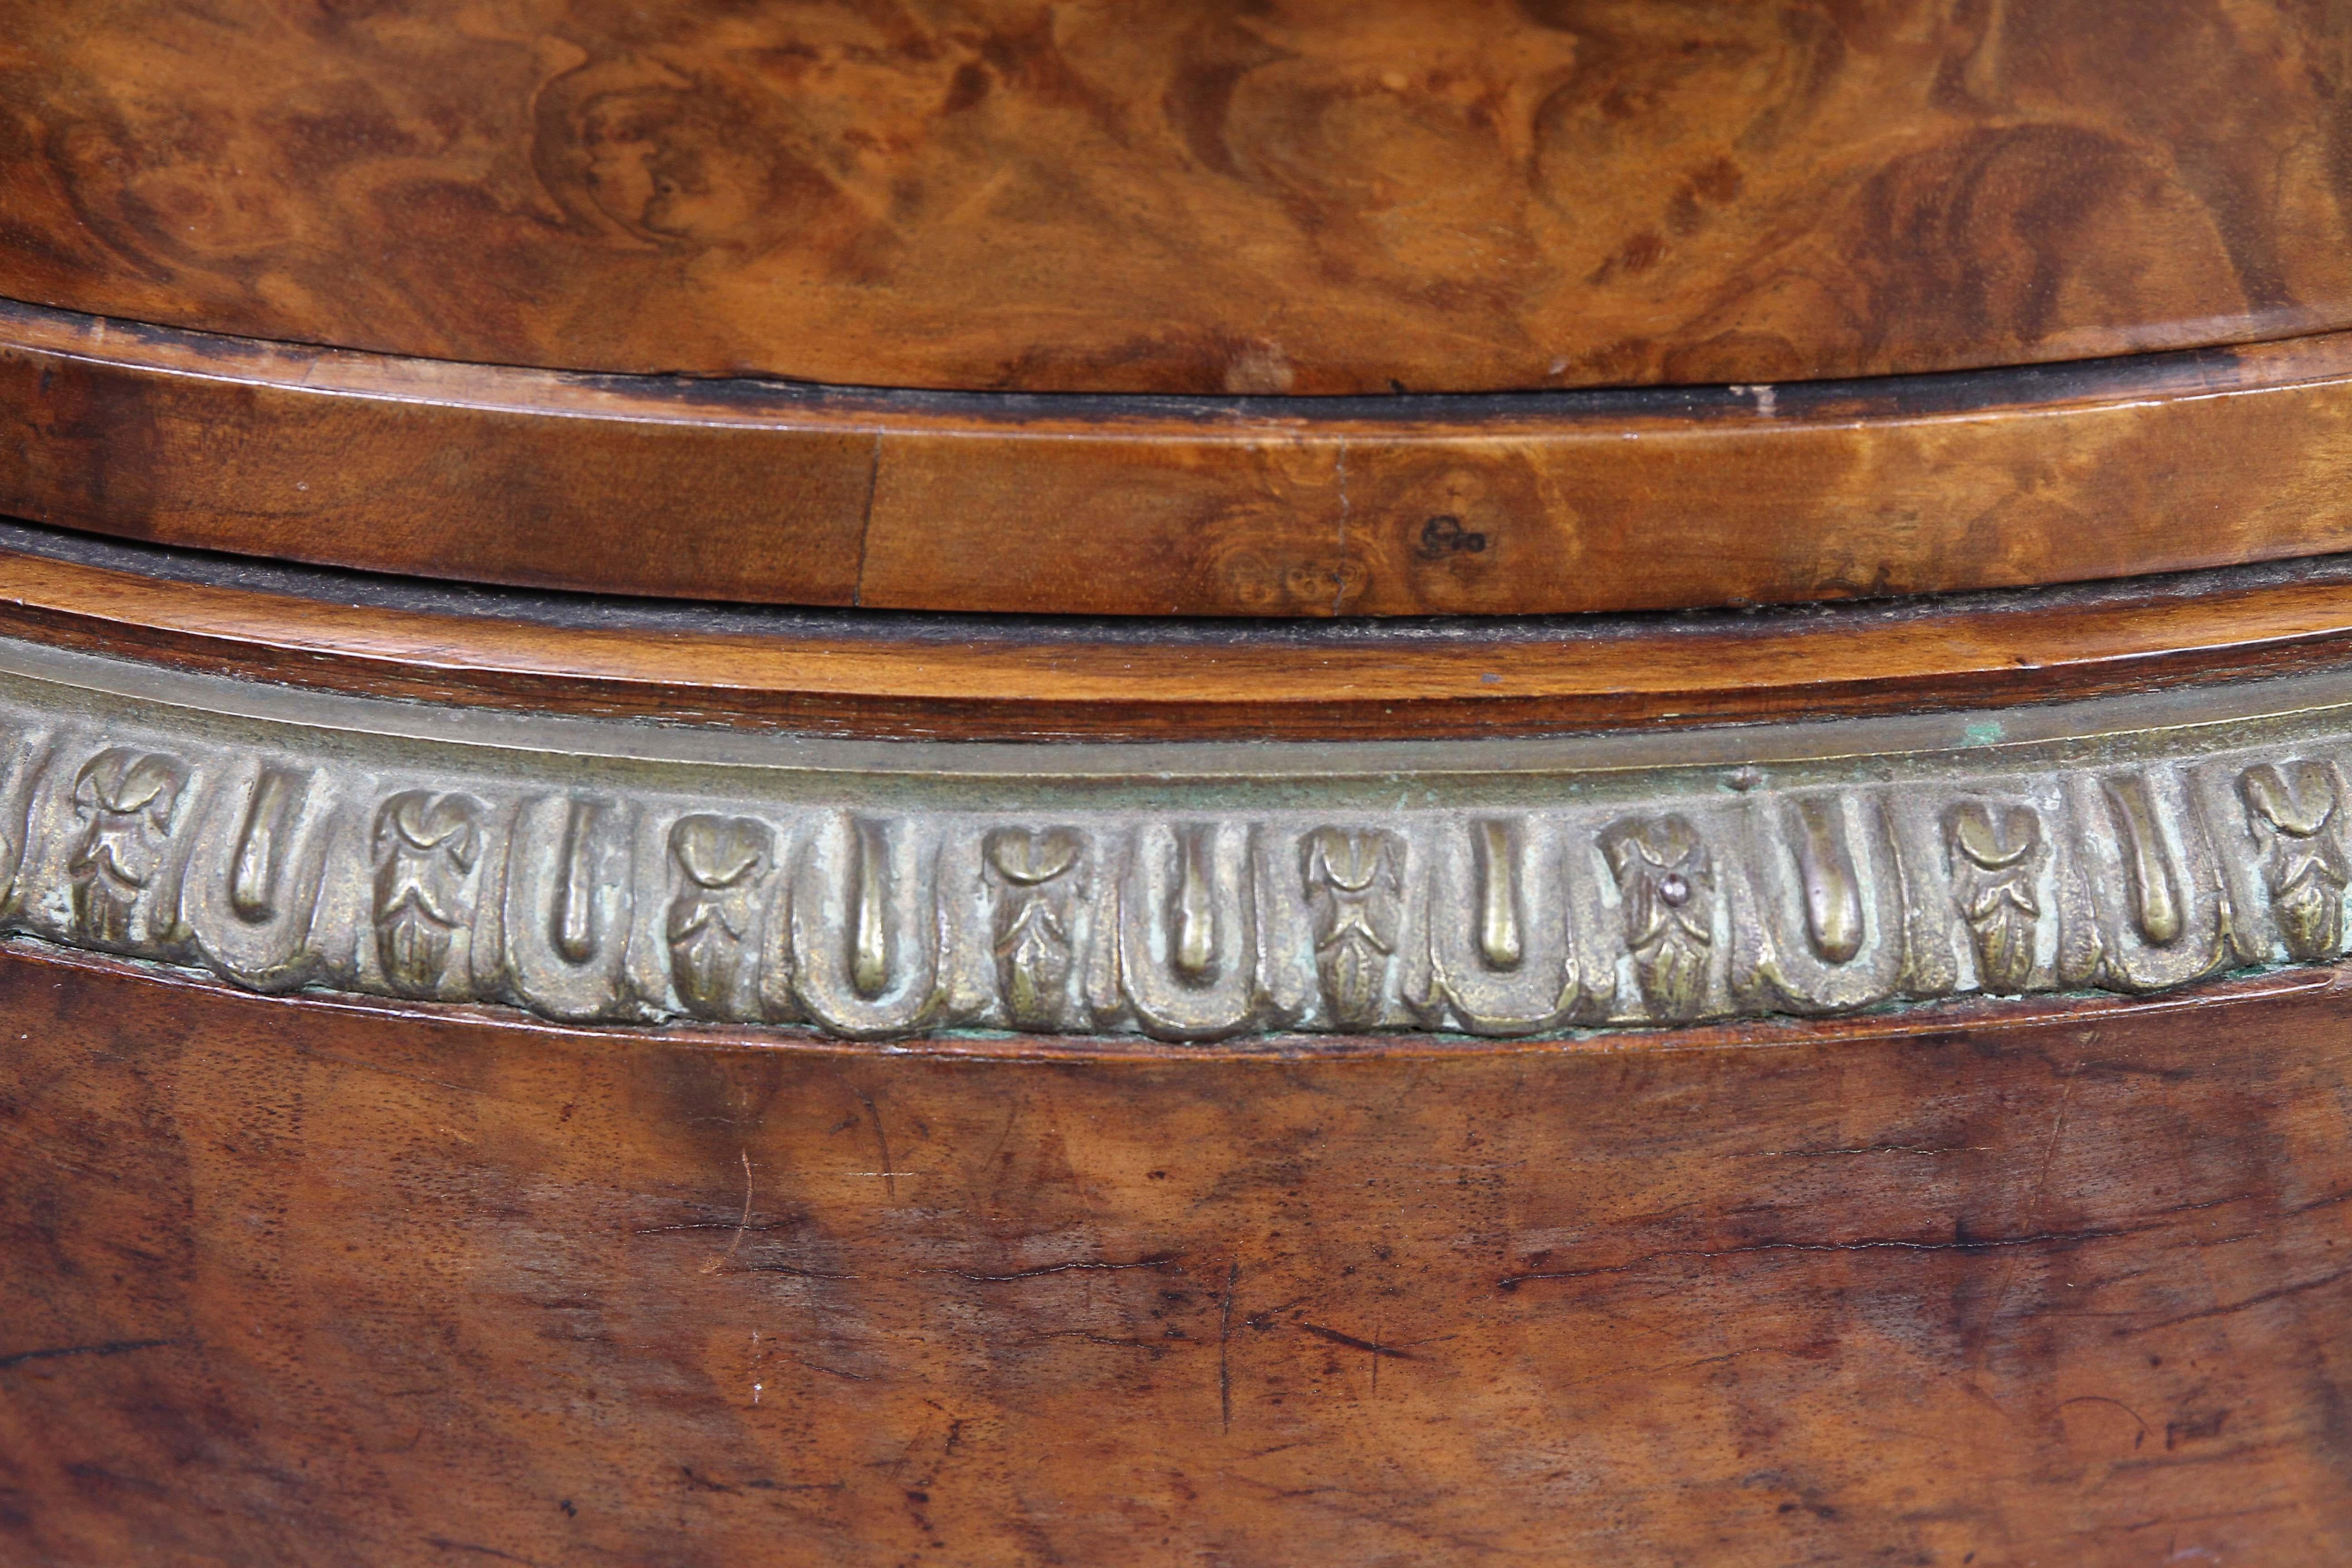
<point>1973,1015</point>
<point>1494,505</point>
<point>898,676</point>
<point>393,1288</point>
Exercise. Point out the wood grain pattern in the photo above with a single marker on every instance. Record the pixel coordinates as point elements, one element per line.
<point>1533,504</point>
<point>298,1282</point>
<point>974,679</point>
<point>1307,196</point>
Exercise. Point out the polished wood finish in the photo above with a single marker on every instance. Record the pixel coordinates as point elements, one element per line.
<point>936,369</point>
<point>1556,502</point>
<point>968,678</point>
<point>306,1281</point>
<point>1305,196</point>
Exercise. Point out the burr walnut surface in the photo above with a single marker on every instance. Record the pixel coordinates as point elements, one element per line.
<point>1302,196</point>
<point>730,835</point>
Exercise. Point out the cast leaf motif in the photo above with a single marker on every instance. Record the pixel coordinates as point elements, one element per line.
<point>1997,853</point>
<point>126,798</point>
<point>1355,884</point>
<point>2293,808</point>
<point>427,847</point>
<point>1666,881</point>
<point>722,861</point>
<point>1032,941</point>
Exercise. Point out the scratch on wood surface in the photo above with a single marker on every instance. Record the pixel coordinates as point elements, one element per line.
<point>1352,1342</point>
<point>1156,1260</point>
<point>720,1261</point>
<point>443,1544</point>
<point>2103,1399</point>
<point>827,1371</point>
<point>890,1172</point>
<point>1224,1344</point>
<point>2052,1238</point>
<point>104,1348</point>
<point>2039,1202</point>
<point>2259,1298</point>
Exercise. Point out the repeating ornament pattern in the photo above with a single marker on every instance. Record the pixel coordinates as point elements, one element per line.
<point>1545,905</point>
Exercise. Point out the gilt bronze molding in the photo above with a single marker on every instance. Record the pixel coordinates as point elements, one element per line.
<point>614,872</point>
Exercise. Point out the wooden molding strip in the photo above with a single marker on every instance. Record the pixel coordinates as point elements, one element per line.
<point>979,678</point>
<point>1518,504</point>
